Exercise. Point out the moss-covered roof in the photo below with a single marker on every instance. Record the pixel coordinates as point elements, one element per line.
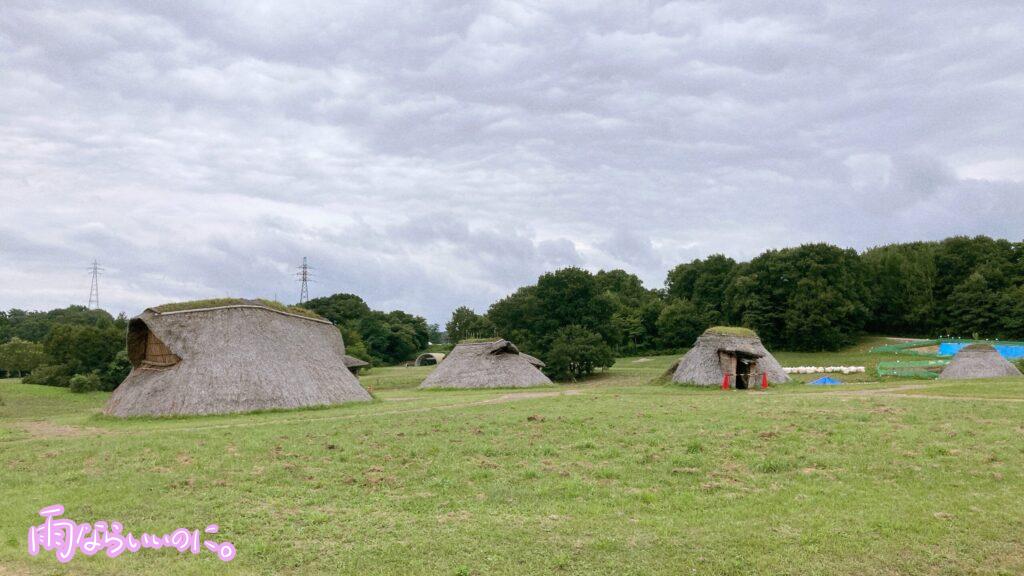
<point>218,302</point>
<point>478,340</point>
<point>731,331</point>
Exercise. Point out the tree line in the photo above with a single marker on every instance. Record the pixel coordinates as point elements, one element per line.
<point>73,347</point>
<point>375,336</point>
<point>814,297</point>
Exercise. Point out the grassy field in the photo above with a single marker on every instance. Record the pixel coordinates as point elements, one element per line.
<point>610,476</point>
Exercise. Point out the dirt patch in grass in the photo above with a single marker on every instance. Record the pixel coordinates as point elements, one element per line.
<point>917,391</point>
<point>42,429</point>
<point>969,398</point>
<point>531,395</point>
<point>876,391</point>
<point>13,571</point>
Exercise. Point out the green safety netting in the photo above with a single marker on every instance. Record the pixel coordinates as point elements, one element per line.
<point>906,348</point>
<point>912,368</point>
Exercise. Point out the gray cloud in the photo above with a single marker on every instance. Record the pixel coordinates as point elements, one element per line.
<point>433,154</point>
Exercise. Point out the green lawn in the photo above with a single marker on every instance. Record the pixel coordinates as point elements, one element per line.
<point>609,476</point>
<point>394,377</point>
<point>1002,388</point>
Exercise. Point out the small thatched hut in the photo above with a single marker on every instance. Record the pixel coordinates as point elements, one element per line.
<point>723,350</point>
<point>225,356</point>
<point>978,361</point>
<point>354,364</point>
<point>491,364</point>
<point>429,359</point>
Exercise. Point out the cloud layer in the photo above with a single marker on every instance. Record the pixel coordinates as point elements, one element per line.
<point>428,155</point>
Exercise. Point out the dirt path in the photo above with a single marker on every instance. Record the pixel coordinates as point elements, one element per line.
<point>897,392</point>
<point>971,398</point>
<point>511,397</point>
<point>41,429</point>
<point>45,429</point>
<point>876,391</point>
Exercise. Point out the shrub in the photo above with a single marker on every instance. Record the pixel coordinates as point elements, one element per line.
<point>83,349</point>
<point>50,375</point>
<point>576,352</point>
<point>19,356</point>
<point>116,371</point>
<point>85,382</point>
<point>1020,364</point>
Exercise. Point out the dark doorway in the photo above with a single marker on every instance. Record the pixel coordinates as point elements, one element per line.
<point>743,373</point>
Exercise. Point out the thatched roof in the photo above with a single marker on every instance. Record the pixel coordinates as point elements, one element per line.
<point>351,362</point>
<point>703,364</point>
<point>429,359</point>
<point>193,305</point>
<point>493,364</point>
<point>535,361</point>
<point>731,331</point>
<point>978,361</point>
<point>232,358</point>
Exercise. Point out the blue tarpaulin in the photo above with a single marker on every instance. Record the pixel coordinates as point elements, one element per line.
<point>1009,351</point>
<point>824,381</point>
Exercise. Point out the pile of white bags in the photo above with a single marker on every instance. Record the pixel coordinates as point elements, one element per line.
<point>823,369</point>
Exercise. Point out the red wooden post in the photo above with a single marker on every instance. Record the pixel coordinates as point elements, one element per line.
<point>764,381</point>
<point>725,382</point>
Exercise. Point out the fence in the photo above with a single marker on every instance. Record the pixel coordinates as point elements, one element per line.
<point>906,348</point>
<point>912,368</point>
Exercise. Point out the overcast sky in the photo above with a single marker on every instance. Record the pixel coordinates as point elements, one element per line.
<point>429,155</point>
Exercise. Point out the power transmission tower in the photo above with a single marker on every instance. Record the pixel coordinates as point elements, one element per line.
<point>94,288</point>
<point>303,275</point>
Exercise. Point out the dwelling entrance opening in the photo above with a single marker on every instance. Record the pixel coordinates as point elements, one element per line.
<point>746,367</point>
<point>146,350</point>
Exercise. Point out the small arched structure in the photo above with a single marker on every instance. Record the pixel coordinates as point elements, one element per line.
<point>489,364</point>
<point>978,361</point>
<point>723,350</point>
<point>429,359</point>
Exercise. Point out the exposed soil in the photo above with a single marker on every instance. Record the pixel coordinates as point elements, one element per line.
<point>43,429</point>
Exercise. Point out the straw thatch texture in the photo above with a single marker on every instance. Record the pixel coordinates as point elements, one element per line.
<point>235,358</point>
<point>535,361</point>
<point>429,359</point>
<point>354,364</point>
<point>978,361</point>
<point>715,352</point>
<point>497,364</point>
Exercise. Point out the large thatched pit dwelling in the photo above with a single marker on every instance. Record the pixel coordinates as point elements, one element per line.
<point>723,350</point>
<point>489,364</point>
<point>224,356</point>
<point>978,361</point>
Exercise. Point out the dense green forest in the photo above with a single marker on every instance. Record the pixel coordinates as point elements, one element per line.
<point>58,345</point>
<point>378,337</point>
<point>809,298</point>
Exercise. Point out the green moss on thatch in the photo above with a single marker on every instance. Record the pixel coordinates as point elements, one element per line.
<point>731,331</point>
<point>478,340</point>
<point>218,302</point>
